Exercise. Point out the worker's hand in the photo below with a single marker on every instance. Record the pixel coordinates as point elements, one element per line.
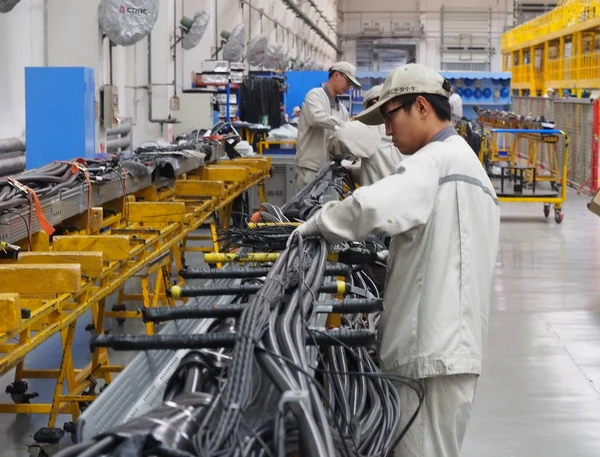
<point>347,164</point>
<point>336,148</point>
<point>309,228</point>
<point>382,256</point>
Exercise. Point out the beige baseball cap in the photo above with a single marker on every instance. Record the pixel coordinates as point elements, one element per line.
<point>348,69</point>
<point>412,78</point>
<point>373,93</point>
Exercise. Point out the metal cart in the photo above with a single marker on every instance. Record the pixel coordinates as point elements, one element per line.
<point>525,168</point>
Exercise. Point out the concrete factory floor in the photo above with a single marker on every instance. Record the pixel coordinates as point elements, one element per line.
<point>540,392</point>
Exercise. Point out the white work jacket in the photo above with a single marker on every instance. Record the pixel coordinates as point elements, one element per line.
<point>321,114</point>
<point>441,210</point>
<point>378,157</point>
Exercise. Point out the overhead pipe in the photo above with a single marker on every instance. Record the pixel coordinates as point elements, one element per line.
<point>262,14</point>
<point>117,144</point>
<point>151,119</point>
<point>12,144</point>
<point>308,21</point>
<point>12,165</point>
<point>119,138</point>
<point>316,7</point>
<point>11,155</point>
<point>123,129</point>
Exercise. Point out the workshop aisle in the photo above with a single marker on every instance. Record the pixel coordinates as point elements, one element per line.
<point>540,391</point>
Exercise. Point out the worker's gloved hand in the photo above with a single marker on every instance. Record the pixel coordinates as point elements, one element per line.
<point>382,256</point>
<point>309,228</point>
<point>347,164</point>
<point>336,147</point>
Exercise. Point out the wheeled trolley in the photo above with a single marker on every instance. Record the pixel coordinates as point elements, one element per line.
<point>530,174</point>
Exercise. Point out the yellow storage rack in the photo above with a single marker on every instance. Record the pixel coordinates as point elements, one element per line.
<point>62,278</point>
<point>559,49</point>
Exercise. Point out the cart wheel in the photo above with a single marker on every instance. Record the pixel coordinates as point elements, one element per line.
<point>546,210</point>
<point>558,216</point>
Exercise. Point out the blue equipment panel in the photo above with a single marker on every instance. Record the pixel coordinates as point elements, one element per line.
<point>60,114</point>
<point>300,82</point>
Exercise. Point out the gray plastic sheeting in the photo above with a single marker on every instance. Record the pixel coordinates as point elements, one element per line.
<point>233,50</point>
<point>193,37</point>
<point>7,5</point>
<point>126,22</point>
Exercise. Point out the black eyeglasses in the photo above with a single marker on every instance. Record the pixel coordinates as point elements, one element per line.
<point>387,117</point>
<point>346,78</point>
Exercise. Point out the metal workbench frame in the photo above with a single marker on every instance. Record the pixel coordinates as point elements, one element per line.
<point>74,201</point>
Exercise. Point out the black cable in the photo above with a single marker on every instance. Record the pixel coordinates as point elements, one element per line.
<point>402,379</point>
<point>14,211</point>
<point>261,97</point>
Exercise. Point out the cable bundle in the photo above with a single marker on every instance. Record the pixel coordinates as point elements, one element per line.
<point>264,393</point>
<point>264,239</point>
<point>261,97</point>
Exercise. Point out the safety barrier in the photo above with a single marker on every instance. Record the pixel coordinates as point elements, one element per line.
<point>557,49</point>
<point>580,120</point>
<point>565,15</point>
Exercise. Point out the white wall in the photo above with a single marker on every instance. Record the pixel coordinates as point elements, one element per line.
<point>73,38</point>
<point>385,14</point>
<point>20,45</point>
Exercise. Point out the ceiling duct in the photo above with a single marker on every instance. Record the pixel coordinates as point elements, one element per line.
<point>6,6</point>
<point>126,22</point>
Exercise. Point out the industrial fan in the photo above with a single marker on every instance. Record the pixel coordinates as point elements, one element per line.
<point>275,56</point>
<point>257,49</point>
<point>7,5</point>
<point>192,29</point>
<point>235,44</point>
<point>125,22</point>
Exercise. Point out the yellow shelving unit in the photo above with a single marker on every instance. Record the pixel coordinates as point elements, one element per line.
<point>559,49</point>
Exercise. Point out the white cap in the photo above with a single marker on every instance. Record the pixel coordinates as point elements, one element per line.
<point>348,69</point>
<point>295,109</point>
<point>550,89</point>
<point>408,79</point>
<point>372,93</point>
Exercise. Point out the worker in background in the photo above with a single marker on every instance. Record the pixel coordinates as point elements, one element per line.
<point>550,93</point>
<point>441,211</point>
<point>378,157</point>
<point>456,107</point>
<point>322,112</point>
<point>295,116</point>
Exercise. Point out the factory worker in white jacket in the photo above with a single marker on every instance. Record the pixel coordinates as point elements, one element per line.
<point>442,213</point>
<point>378,157</point>
<point>322,113</point>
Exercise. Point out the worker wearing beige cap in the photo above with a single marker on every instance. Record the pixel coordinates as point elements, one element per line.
<point>378,157</point>
<point>441,211</point>
<point>322,113</point>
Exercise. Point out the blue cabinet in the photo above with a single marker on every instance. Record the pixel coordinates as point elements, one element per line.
<point>60,114</point>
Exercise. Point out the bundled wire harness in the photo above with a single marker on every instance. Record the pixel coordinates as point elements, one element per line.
<point>270,378</point>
